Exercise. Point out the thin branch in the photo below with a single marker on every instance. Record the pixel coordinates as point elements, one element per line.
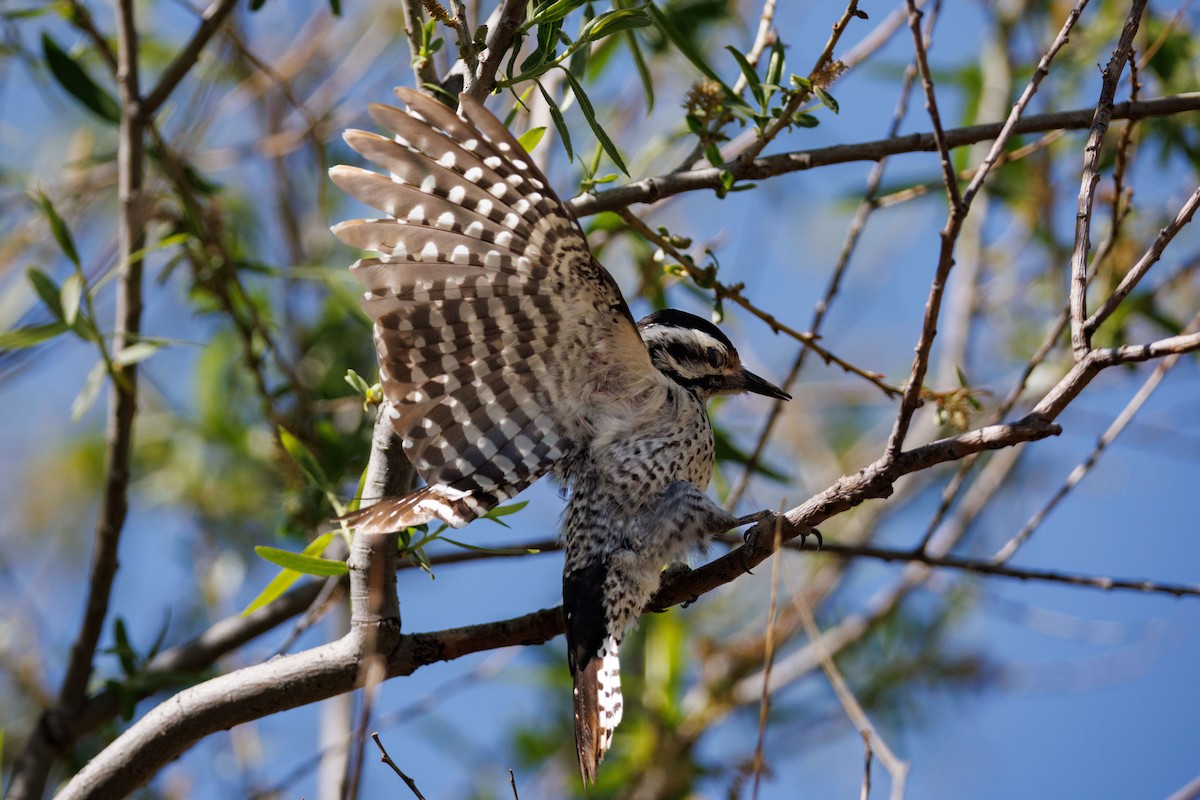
<point>1080,340</point>
<point>210,22</point>
<point>896,767</point>
<point>414,24</point>
<point>650,190</point>
<point>33,767</point>
<point>959,208</point>
<point>991,567</point>
<point>503,25</point>
<point>734,294</point>
<point>1143,265</point>
<point>764,702</point>
<point>1081,470</point>
<point>387,759</point>
<point>935,117</point>
<point>762,38</point>
<point>853,234</point>
<point>798,98</point>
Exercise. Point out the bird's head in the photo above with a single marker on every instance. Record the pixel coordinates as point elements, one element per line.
<point>695,354</point>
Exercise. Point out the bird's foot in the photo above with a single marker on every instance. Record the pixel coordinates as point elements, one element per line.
<point>765,523</point>
<point>676,570</point>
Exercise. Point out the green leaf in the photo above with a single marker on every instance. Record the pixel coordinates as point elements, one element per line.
<point>28,336</point>
<point>303,458</point>
<point>775,64</point>
<point>530,138</point>
<point>805,120</point>
<point>78,83</point>
<point>554,12</point>
<point>91,388</point>
<point>123,649</point>
<point>495,551</point>
<point>299,562</point>
<point>643,70</point>
<point>71,294</point>
<point>713,154</point>
<point>610,22</point>
<point>47,290</point>
<point>58,228</point>
<point>559,123</point>
<point>283,581</point>
<point>826,98</point>
<point>136,353</point>
<point>748,72</point>
<point>589,113</point>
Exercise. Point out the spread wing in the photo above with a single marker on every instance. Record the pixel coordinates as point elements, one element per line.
<point>502,342</point>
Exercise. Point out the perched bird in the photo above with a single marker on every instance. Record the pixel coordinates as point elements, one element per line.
<point>507,352</point>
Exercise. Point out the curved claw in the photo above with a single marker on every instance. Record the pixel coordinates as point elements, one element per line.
<point>812,532</point>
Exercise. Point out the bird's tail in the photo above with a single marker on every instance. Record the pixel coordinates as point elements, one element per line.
<point>598,704</point>
<point>592,649</point>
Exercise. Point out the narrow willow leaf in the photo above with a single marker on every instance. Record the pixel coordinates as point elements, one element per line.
<point>71,295</point>
<point>495,551</point>
<point>643,70</point>
<point>559,123</point>
<point>91,388</point>
<point>748,72</point>
<point>136,353</point>
<point>298,562</point>
<point>530,138</point>
<point>589,113</point>
<point>123,649</point>
<point>305,460</point>
<point>504,511</point>
<point>554,12</point>
<point>610,22</point>
<point>28,336</point>
<point>826,98</point>
<point>47,290</point>
<point>283,581</point>
<point>78,83</point>
<point>58,228</point>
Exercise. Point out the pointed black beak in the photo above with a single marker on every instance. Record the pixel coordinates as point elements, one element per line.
<point>752,383</point>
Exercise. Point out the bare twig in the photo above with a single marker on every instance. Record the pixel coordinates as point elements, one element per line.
<point>935,117</point>
<point>210,23</point>
<point>1080,339</point>
<point>896,767</point>
<point>764,703</point>
<point>992,567</point>
<point>387,759</point>
<point>865,794</point>
<point>1143,265</point>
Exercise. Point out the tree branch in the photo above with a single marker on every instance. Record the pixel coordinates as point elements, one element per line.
<point>650,190</point>
<point>210,23</point>
<point>1080,340</point>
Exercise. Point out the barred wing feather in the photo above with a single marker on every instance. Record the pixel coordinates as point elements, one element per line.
<point>501,340</point>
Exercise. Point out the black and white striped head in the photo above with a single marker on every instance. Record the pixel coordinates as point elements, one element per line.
<point>695,354</point>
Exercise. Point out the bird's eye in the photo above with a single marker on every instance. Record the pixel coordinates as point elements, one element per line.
<point>714,357</point>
